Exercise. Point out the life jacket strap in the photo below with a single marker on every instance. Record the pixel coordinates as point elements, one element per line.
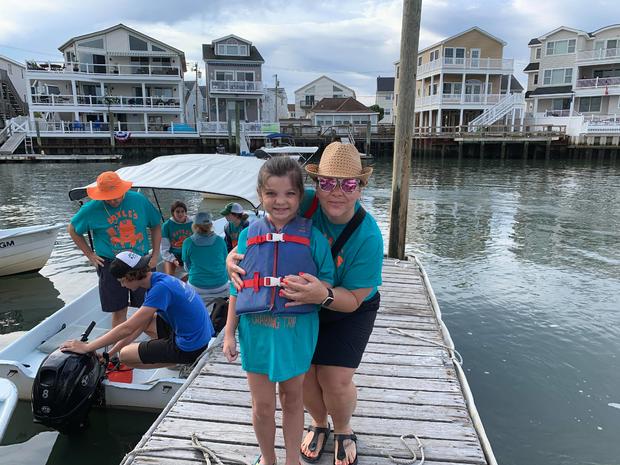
<point>257,282</point>
<point>278,237</point>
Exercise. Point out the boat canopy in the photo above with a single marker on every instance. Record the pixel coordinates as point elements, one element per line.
<point>226,175</point>
<point>277,135</point>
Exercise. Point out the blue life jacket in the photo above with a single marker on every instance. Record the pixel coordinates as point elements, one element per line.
<point>270,256</point>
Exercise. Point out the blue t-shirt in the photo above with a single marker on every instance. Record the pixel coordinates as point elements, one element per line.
<point>176,233</point>
<point>206,264</point>
<point>118,229</point>
<point>182,308</point>
<point>360,261</point>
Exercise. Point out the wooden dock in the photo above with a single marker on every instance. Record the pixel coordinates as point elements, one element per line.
<point>407,385</point>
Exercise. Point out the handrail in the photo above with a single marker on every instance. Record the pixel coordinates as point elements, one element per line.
<point>497,111</point>
<point>97,100</point>
<point>92,68</point>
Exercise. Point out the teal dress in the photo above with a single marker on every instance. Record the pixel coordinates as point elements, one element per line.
<point>282,347</point>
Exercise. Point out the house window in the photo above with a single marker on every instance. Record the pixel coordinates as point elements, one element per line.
<point>137,44</point>
<point>452,88</point>
<point>224,76</point>
<point>589,104</point>
<point>96,43</point>
<point>538,50</point>
<point>535,78</point>
<point>245,76</point>
<point>558,76</point>
<point>309,100</point>
<point>387,112</point>
<point>454,55</point>
<point>561,47</point>
<point>155,48</point>
<point>232,49</point>
<point>434,55</point>
<point>419,61</point>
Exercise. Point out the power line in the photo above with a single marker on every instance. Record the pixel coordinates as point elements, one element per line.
<point>28,50</point>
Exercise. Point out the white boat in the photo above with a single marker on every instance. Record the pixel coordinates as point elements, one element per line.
<point>285,146</point>
<point>8,401</point>
<point>149,388</point>
<point>27,248</point>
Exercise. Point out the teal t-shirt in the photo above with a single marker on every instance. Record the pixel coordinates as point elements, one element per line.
<point>359,263</point>
<point>282,347</point>
<point>176,233</point>
<point>206,264</point>
<point>118,229</point>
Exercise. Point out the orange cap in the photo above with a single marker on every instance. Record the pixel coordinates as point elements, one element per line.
<point>109,186</point>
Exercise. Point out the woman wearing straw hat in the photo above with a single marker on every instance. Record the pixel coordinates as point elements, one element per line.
<point>349,309</point>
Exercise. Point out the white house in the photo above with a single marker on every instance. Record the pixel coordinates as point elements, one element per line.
<point>118,70</point>
<point>323,87</point>
<point>13,95</point>
<point>385,98</point>
<point>345,111</point>
<point>270,113</point>
<point>195,102</point>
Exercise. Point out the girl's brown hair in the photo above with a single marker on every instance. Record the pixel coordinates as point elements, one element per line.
<point>202,229</point>
<point>281,166</point>
<point>177,204</point>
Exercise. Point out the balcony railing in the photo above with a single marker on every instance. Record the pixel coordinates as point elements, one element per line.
<point>449,63</point>
<point>456,99</point>
<point>102,129</point>
<point>97,101</point>
<point>90,68</point>
<point>597,82</point>
<point>236,87</point>
<point>599,55</point>
<point>221,127</point>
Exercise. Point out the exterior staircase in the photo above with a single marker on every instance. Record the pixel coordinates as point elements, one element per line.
<point>497,111</point>
<point>11,144</point>
<point>11,104</point>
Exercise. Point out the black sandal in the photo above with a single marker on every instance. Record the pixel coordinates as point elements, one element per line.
<point>316,431</point>
<point>342,453</point>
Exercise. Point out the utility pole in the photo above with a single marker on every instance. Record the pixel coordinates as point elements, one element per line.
<point>403,140</point>
<point>276,97</point>
<point>197,70</point>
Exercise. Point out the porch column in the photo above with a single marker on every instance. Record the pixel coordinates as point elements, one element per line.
<point>439,120</point>
<point>181,97</point>
<point>102,89</point>
<point>431,88</point>
<point>440,92</point>
<point>513,119</point>
<point>535,106</point>
<point>258,105</point>
<point>144,96</point>
<point>217,109</point>
<point>462,92</point>
<point>572,106</point>
<point>430,116</point>
<point>74,92</point>
<point>146,122</point>
<point>486,88</point>
<point>461,118</point>
<point>508,88</point>
<point>29,96</point>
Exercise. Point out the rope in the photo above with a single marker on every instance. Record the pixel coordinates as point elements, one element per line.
<point>414,458</point>
<point>207,454</point>
<point>455,356</point>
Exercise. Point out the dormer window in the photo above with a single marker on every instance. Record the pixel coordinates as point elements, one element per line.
<point>232,49</point>
<point>137,44</point>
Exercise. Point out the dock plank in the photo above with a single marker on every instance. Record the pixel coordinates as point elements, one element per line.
<point>405,385</point>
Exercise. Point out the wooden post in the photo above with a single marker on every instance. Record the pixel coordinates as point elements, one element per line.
<point>503,151</point>
<point>368,128</point>
<point>403,139</point>
<point>230,137</point>
<point>237,129</point>
<point>548,150</point>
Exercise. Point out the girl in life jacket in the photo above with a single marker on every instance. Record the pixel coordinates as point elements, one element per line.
<point>277,340</point>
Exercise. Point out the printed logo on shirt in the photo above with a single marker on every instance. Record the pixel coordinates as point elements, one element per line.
<point>126,236</point>
<point>270,321</point>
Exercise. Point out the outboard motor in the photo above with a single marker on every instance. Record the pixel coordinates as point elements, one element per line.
<point>260,153</point>
<point>67,385</point>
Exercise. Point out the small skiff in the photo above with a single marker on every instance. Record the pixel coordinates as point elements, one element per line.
<point>27,248</point>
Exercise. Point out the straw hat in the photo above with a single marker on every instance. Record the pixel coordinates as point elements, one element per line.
<point>109,186</point>
<point>340,161</point>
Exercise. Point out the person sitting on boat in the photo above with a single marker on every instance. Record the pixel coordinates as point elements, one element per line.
<point>204,256</point>
<point>172,314</point>
<point>174,231</point>
<point>237,222</point>
<point>119,220</point>
<point>277,343</point>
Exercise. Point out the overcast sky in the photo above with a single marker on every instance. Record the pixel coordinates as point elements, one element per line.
<point>352,41</point>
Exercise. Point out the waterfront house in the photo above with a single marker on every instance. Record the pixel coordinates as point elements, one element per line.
<point>385,98</point>
<point>119,71</point>
<point>195,103</point>
<point>307,96</point>
<point>12,89</point>
<point>271,102</point>
<point>291,111</point>
<point>233,69</point>
<point>461,77</point>
<point>344,112</point>
<point>574,74</point>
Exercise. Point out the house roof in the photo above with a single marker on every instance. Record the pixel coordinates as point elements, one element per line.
<point>13,62</point>
<point>604,28</point>
<point>229,36</point>
<point>326,77</point>
<point>562,28</point>
<point>515,85</point>
<point>385,84</point>
<point>532,67</point>
<point>340,105</point>
<point>550,91</point>
<point>534,42</point>
<point>128,29</point>
<point>475,28</point>
<point>208,53</point>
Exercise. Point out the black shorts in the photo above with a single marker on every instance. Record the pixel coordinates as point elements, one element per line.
<point>164,349</point>
<point>179,258</point>
<point>343,336</point>
<point>112,295</point>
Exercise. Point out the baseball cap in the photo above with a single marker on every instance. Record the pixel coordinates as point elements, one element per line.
<point>126,262</point>
<point>232,207</point>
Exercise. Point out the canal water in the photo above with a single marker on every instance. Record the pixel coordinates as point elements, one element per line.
<point>524,257</point>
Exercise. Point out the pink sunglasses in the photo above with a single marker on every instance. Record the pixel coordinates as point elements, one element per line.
<point>347,185</point>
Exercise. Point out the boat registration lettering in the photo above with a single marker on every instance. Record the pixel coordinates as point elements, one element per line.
<point>5,244</point>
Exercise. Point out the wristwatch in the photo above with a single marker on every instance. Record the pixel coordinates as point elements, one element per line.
<point>329,299</point>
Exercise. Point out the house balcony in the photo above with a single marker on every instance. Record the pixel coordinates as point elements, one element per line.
<point>117,102</point>
<point>257,128</point>
<point>597,87</point>
<point>60,70</point>
<point>306,105</point>
<point>235,87</point>
<point>469,65</point>
<point>602,56</point>
<point>457,100</point>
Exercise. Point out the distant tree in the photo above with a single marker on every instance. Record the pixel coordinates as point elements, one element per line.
<point>377,109</point>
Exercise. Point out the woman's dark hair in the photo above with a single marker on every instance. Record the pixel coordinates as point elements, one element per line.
<point>242,216</point>
<point>281,166</point>
<point>177,204</point>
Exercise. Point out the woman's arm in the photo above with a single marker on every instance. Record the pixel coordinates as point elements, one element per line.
<point>233,269</point>
<point>230,341</point>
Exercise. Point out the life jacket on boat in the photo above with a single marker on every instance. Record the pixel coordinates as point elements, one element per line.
<point>270,256</point>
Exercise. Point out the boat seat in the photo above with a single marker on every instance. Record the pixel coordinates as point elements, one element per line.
<point>70,332</point>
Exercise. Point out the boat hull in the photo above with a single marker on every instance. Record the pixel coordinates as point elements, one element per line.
<point>8,401</point>
<point>26,249</point>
